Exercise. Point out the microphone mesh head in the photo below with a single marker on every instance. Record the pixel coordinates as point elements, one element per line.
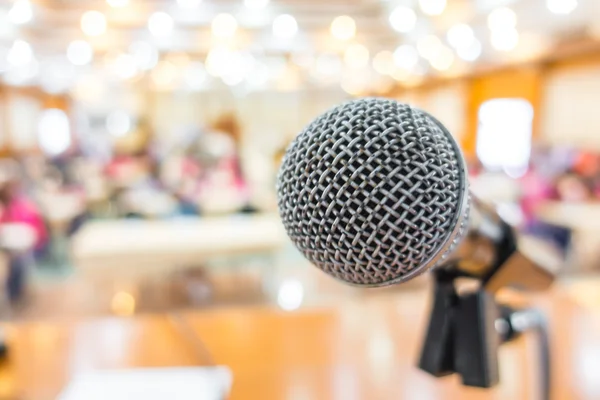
<point>373,192</point>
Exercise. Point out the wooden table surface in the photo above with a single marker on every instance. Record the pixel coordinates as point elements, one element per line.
<point>361,348</point>
<point>44,355</point>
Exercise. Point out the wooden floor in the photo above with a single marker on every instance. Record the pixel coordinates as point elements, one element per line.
<point>359,348</point>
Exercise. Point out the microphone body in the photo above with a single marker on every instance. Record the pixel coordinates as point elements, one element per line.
<point>494,253</point>
<point>374,192</point>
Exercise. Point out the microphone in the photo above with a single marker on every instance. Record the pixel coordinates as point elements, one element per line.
<point>374,192</point>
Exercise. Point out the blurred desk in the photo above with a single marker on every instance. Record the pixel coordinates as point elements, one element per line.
<point>367,349</point>
<point>43,356</point>
<point>155,246</point>
<point>363,348</point>
<point>577,216</point>
<point>584,221</point>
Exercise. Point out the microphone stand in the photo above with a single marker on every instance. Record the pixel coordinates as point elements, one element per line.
<point>465,332</point>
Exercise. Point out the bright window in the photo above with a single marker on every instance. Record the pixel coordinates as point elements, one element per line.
<point>504,135</point>
<point>54,133</point>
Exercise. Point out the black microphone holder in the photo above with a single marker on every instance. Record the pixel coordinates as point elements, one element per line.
<point>465,332</point>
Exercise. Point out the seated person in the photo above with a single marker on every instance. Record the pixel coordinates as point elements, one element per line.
<point>16,208</point>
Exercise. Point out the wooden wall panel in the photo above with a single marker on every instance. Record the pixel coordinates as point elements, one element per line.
<point>570,103</point>
<point>525,83</point>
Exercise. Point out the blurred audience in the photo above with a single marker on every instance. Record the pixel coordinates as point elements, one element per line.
<point>54,197</point>
<point>201,174</point>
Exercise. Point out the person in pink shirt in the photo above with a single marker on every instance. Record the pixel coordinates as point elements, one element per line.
<point>16,208</point>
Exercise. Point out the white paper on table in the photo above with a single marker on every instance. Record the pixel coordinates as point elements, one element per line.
<point>197,383</point>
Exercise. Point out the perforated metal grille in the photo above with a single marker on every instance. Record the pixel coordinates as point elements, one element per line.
<point>369,191</point>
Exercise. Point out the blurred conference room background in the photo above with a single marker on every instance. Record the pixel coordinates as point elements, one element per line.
<point>140,140</point>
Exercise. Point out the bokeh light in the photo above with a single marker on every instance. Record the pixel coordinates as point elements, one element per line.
<point>93,23</point>
<point>343,27</point>
<point>285,26</point>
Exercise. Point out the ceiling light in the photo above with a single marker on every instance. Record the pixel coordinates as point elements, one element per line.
<point>20,54</point>
<point>505,40</point>
<point>256,3</point>
<point>285,26</point>
<point>224,25</point>
<point>160,24</point>
<point>124,66</point>
<point>117,3</point>
<point>432,7</point>
<point>502,19</point>
<point>460,36</point>
<point>21,12</point>
<point>145,55</point>
<point>563,7</point>
<point>470,52</point>
<point>403,19</point>
<point>118,123</point>
<point>406,57</point>
<point>443,59</point>
<point>80,52</point>
<point>383,62</point>
<point>93,23</point>
<point>189,3</point>
<point>54,132</point>
<point>428,46</point>
<point>356,56</point>
<point>343,27</point>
